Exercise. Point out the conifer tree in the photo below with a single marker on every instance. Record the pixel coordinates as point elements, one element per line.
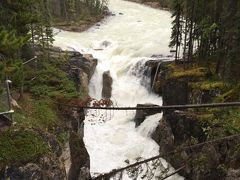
<point>176,36</point>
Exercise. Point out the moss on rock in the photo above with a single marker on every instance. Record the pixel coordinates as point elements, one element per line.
<point>179,72</point>
<point>20,146</point>
<point>231,94</point>
<point>208,85</point>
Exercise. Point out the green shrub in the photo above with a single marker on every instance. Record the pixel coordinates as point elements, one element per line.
<point>20,146</point>
<point>38,114</point>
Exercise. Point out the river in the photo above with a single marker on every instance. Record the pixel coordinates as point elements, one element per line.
<point>122,44</point>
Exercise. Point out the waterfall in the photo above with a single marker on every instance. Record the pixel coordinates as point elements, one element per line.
<point>155,76</point>
<point>122,44</point>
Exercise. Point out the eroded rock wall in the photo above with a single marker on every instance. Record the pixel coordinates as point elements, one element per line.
<point>179,129</point>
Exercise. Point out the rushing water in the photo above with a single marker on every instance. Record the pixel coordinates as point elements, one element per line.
<point>122,44</point>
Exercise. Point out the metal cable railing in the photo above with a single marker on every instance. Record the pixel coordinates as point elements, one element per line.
<point>5,100</point>
<point>160,108</point>
<point>190,147</point>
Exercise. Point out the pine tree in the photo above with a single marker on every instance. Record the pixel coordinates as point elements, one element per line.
<point>176,36</point>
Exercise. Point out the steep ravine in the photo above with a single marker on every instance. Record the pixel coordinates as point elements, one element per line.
<point>122,45</point>
<point>187,127</point>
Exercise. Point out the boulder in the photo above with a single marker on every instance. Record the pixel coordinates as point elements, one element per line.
<point>107,85</point>
<point>105,44</point>
<point>142,114</point>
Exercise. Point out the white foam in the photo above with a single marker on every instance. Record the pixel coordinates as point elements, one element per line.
<point>133,37</point>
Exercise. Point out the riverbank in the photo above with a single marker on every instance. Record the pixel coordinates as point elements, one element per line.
<point>153,4</point>
<point>81,25</point>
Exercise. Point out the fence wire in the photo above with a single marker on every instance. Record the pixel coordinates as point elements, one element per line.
<point>155,168</point>
<point>3,98</point>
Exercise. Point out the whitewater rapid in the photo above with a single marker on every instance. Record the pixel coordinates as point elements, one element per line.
<point>122,44</point>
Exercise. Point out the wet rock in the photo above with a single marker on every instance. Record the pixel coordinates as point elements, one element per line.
<point>157,80</point>
<point>164,137</point>
<point>77,118</point>
<point>142,114</point>
<point>106,43</point>
<point>84,62</point>
<point>157,56</point>
<point>80,162</point>
<point>106,11</point>
<point>81,68</point>
<point>107,85</point>
<point>120,13</point>
<point>153,63</point>
<point>127,161</point>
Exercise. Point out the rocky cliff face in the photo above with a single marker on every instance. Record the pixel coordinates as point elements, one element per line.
<point>183,128</point>
<point>80,161</point>
<point>81,68</point>
<point>50,163</point>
